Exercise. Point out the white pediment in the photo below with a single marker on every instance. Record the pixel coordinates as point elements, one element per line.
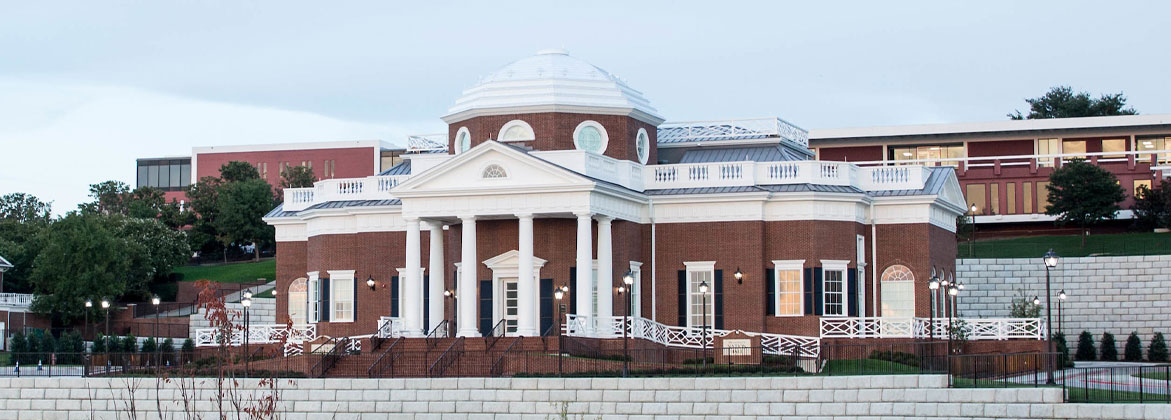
<point>511,259</point>
<point>487,168</point>
<point>951,192</point>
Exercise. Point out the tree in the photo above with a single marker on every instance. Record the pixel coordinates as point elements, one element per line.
<point>1152,207</point>
<point>22,219</point>
<point>1134,348</point>
<point>188,345</point>
<point>1085,347</point>
<point>1157,352</point>
<point>1083,194</point>
<point>241,207</point>
<point>297,177</point>
<point>99,345</point>
<point>1022,306</point>
<point>145,202</point>
<point>152,248</point>
<point>82,258</point>
<point>204,195</point>
<point>1062,102</point>
<point>109,198</point>
<point>167,347</point>
<point>1109,349</point>
<point>19,344</point>
<point>130,344</point>
<point>1062,348</point>
<point>237,171</point>
<point>24,208</point>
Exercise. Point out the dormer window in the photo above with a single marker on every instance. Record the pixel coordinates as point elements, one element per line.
<point>517,130</point>
<point>591,137</point>
<point>463,140</point>
<point>494,171</point>
<point>642,145</point>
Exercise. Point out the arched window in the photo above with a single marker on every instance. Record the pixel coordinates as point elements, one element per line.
<point>463,140</point>
<point>517,130</point>
<point>591,137</point>
<point>898,292</point>
<point>494,171</point>
<point>298,299</point>
<point>642,145</point>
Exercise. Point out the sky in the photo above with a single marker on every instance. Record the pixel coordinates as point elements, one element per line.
<point>87,87</point>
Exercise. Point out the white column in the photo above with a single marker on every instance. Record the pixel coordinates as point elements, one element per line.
<point>466,293</point>
<point>605,283</point>
<point>526,325</point>
<point>436,285</point>
<point>412,306</point>
<point>585,266</point>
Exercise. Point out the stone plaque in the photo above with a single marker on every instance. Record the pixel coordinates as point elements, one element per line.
<point>737,348</point>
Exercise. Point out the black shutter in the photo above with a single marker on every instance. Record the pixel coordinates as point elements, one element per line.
<point>851,292</point>
<point>546,306</point>
<point>325,309</point>
<point>682,298</point>
<point>485,307</point>
<point>572,290</point>
<point>426,303</point>
<point>808,290</point>
<point>354,303</point>
<point>394,296</point>
<point>770,291</point>
<point>719,300</point>
<point>818,292</point>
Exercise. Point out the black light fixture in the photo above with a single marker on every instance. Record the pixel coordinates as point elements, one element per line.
<point>370,282</point>
<point>739,276</point>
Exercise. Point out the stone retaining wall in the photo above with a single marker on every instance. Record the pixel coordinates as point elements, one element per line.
<point>911,397</point>
<point>1106,294</point>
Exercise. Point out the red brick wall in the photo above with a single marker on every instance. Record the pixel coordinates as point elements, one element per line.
<point>351,162</point>
<point>851,154</point>
<point>919,247</point>
<point>554,131</point>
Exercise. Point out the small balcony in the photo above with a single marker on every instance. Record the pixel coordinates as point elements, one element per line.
<point>16,300</point>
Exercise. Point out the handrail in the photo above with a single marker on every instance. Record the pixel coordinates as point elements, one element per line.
<point>495,333</point>
<point>370,372</point>
<point>433,336</point>
<point>548,333</point>
<point>496,365</point>
<point>446,359</point>
<point>330,359</point>
<point>380,336</point>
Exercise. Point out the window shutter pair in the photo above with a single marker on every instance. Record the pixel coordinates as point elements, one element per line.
<point>718,300</point>
<point>770,282</point>
<point>682,298</point>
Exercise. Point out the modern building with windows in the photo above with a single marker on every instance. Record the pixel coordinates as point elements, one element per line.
<point>555,175</point>
<point>1003,167</point>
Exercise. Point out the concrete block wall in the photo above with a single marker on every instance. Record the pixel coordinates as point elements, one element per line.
<point>263,311</point>
<point>1105,294</point>
<point>904,397</point>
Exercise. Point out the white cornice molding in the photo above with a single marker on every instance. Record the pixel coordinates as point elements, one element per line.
<point>632,112</point>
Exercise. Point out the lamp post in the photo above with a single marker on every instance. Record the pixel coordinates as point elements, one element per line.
<point>449,294</point>
<point>739,276</point>
<point>106,306</point>
<point>972,237</point>
<point>933,286</point>
<point>951,291</point>
<point>1050,260</point>
<point>559,293</point>
<point>959,285</point>
<point>1060,301</point>
<point>89,304</point>
<point>156,301</point>
<point>703,333</point>
<point>246,303</point>
<point>628,279</point>
<point>943,286</point>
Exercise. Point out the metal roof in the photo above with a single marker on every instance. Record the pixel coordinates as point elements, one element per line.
<point>279,210</point>
<point>740,130</point>
<point>756,188</point>
<point>991,127</point>
<point>403,168</point>
<point>933,185</point>
<point>737,154</point>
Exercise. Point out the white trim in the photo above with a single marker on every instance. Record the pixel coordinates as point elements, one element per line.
<point>312,297</point>
<point>455,143</point>
<point>841,266</point>
<point>516,123</point>
<point>646,155</point>
<point>601,129</point>
<point>701,267</point>
<point>636,297</point>
<point>788,265</point>
<point>337,277</point>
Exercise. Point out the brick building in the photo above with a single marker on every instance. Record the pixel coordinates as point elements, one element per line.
<point>558,176</point>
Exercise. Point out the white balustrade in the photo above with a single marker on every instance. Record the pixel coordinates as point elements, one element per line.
<point>257,334</point>
<point>976,328</point>
<point>691,337</point>
<point>16,299</point>
<point>396,328</point>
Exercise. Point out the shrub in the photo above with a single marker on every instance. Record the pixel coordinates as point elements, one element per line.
<point>129,344</point>
<point>99,346</point>
<point>48,345</point>
<point>1085,347</point>
<point>1062,348</point>
<point>1109,350</point>
<point>1157,352</point>
<point>18,346</point>
<point>189,345</point>
<point>148,346</point>
<point>1134,348</point>
<point>168,346</point>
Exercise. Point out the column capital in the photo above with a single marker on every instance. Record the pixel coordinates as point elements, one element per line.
<point>583,214</point>
<point>467,217</point>
<point>604,218</point>
<point>524,215</point>
<point>411,219</point>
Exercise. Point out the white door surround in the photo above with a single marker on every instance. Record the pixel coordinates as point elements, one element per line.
<point>504,267</point>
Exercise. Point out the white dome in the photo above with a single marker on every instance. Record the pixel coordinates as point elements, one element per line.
<point>551,81</point>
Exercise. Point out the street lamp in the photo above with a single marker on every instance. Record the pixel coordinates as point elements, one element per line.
<point>951,291</point>
<point>89,304</point>
<point>959,285</point>
<point>1060,301</point>
<point>559,293</point>
<point>972,237</point>
<point>932,285</point>
<point>703,333</point>
<point>450,294</point>
<point>154,300</point>
<point>246,303</point>
<point>370,282</point>
<point>106,306</point>
<point>628,279</point>
<point>1050,260</point>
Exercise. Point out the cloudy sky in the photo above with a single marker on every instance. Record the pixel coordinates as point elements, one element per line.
<point>86,87</point>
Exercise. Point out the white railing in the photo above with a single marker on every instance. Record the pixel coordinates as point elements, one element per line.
<point>715,130</point>
<point>747,173</point>
<point>427,142</point>
<point>397,325</point>
<point>342,189</point>
<point>976,328</point>
<point>675,336</point>
<point>622,172</point>
<point>257,334</point>
<point>1152,157</point>
<point>16,299</point>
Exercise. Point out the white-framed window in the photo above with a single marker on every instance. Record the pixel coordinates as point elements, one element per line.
<point>463,140</point>
<point>636,289</point>
<point>833,284</point>
<point>789,287</point>
<point>591,137</point>
<point>298,300</point>
<point>341,295</point>
<point>699,272</point>
<point>517,130</point>
<point>314,295</point>
<point>898,292</point>
<point>494,171</point>
<point>642,145</point>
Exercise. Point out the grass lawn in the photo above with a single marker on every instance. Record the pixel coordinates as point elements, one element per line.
<point>228,273</point>
<point>1069,245</point>
<point>867,367</point>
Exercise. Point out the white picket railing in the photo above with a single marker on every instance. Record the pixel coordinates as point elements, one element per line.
<point>976,328</point>
<point>342,189</point>
<point>16,299</point>
<point>257,334</point>
<point>748,173</point>
<point>670,335</point>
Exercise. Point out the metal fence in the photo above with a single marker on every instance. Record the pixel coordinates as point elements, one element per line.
<point>1113,383</point>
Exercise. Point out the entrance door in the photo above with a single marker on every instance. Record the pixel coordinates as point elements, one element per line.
<point>511,302</point>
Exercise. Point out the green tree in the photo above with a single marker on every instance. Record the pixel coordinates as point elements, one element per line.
<point>1062,102</point>
<point>1083,194</point>
<point>130,344</point>
<point>19,344</point>
<point>1062,348</point>
<point>167,347</point>
<point>1109,349</point>
<point>22,219</point>
<point>152,248</point>
<point>145,203</point>
<point>1157,352</point>
<point>189,346</point>
<point>82,258</point>
<point>1152,207</point>
<point>1022,306</point>
<point>297,177</point>
<point>99,345</point>
<point>237,171</point>
<point>1134,348</point>
<point>242,206</point>
<point>148,346</point>
<point>204,195</point>
<point>1085,347</point>
<point>109,198</point>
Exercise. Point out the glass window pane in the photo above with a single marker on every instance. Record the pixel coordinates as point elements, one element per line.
<point>1042,196</point>
<point>185,175</point>
<point>1077,148</point>
<point>142,177</point>
<point>1028,194</point>
<point>153,176</point>
<point>976,197</point>
<point>164,176</point>
<point>1114,148</point>
<point>994,194</point>
<point>1011,198</point>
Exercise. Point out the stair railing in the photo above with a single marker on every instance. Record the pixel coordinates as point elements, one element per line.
<point>440,331</point>
<point>384,360</point>
<point>330,358</point>
<point>498,364</point>
<point>381,335</point>
<point>448,358</point>
<point>495,333</point>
